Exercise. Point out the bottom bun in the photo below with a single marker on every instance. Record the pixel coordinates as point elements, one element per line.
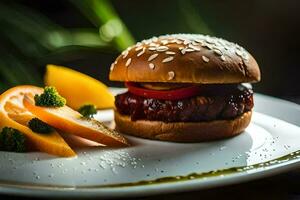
<point>182,131</point>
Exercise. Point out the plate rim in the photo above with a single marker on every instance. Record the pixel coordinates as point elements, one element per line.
<point>147,190</point>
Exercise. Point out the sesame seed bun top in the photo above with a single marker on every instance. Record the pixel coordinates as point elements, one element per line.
<point>185,58</point>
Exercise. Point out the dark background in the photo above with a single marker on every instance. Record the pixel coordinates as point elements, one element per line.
<point>268,29</point>
<point>34,33</point>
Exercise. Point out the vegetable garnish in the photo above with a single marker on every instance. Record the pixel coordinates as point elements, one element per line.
<point>13,114</point>
<point>174,94</point>
<point>70,121</point>
<point>38,126</point>
<point>88,110</point>
<point>50,98</point>
<point>12,140</point>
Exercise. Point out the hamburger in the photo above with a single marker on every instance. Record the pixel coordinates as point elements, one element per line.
<point>184,88</point>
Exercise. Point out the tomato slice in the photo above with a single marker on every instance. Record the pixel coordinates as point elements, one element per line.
<point>176,94</point>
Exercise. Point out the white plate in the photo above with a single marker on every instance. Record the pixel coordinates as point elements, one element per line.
<point>104,172</point>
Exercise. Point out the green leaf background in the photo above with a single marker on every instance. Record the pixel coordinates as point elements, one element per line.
<point>29,40</point>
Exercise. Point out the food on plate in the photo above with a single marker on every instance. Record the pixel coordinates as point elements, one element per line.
<point>88,110</point>
<point>12,140</point>
<point>72,122</point>
<point>184,88</point>
<point>71,84</point>
<point>31,116</point>
<point>15,116</point>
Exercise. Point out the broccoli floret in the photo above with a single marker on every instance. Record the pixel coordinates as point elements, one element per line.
<point>38,126</point>
<point>12,140</point>
<point>88,110</point>
<point>50,98</point>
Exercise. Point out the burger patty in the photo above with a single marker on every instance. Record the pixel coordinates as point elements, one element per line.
<point>216,102</point>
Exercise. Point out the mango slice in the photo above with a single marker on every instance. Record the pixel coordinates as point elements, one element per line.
<point>79,89</point>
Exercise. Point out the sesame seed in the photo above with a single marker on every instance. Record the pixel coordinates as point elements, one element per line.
<point>170,52</point>
<point>154,39</point>
<point>206,45</point>
<point>226,47</point>
<point>164,42</point>
<point>183,51</point>
<point>153,56</point>
<point>245,56</point>
<point>141,52</point>
<point>238,52</point>
<point>222,42</point>
<point>218,52</point>
<point>112,67</point>
<point>194,47</point>
<point>209,40</point>
<point>162,48</point>
<point>186,42</point>
<point>195,43</point>
<point>152,48</point>
<point>151,65</point>
<point>209,46</point>
<point>189,50</point>
<point>199,41</point>
<point>238,46</point>
<point>153,45</point>
<point>125,54</point>
<point>128,62</point>
<point>168,59</point>
<point>171,75</point>
<point>223,58</point>
<point>205,59</point>
<point>138,48</point>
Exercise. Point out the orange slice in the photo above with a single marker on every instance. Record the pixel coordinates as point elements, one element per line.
<point>14,114</point>
<point>70,84</point>
<point>70,121</point>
